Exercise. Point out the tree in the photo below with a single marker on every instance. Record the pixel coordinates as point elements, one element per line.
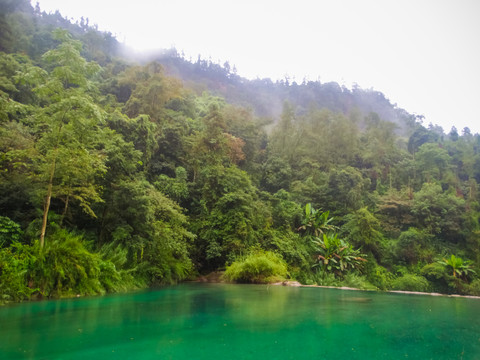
<point>432,162</point>
<point>346,189</point>
<point>67,126</point>
<point>362,228</point>
<point>286,213</point>
<point>414,245</point>
<point>151,227</point>
<point>229,219</point>
<point>394,211</point>
<point>150,90</point>
<point>209,145</point>
<point>276,174</point>
<point>438,212</point>
<point>380,150</point>
<point>419,137</point>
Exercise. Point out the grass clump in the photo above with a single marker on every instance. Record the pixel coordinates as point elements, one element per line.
<point>410,282</point>
<point>259,267</point>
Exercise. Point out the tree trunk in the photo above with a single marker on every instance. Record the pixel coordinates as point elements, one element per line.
<point>65,208</point>
<point>46,206</point>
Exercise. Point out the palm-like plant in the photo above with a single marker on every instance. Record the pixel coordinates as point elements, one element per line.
<point>315,222</point>
<point>457,265</point>
<point>337,255</point>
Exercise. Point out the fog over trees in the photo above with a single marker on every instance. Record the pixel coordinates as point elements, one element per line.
<point>118,174</point>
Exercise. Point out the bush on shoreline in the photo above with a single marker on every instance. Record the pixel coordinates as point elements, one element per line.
<point>259,267</point>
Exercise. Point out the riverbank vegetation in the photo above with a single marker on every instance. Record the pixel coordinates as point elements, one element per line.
<point>116,175</point>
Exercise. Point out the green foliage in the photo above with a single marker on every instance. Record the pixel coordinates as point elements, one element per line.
<point>357,281</point>
<point>410,282</point>
<point>362,229</point>
<point>419,137</point>
<point>438,275</point>
<point>277,174</point>
<point>457,266</point>
<point>286,212</point>
<point>15,264</point>
<point>312,188</point>
<point>346,189</point>
<point>63,268</point>
<point>112,152</point>
<point>350,280</point>
<point>438,212</point>
<point>295,250</point>
<point>10,231</point>
<point>115,276</point>
<point>432,162</point>
<point>414,246</point>
<point>67,158</point>
<point>378,275</point>
<point>258,267</point>
<point>316,223</point>
<point>228,222</point>
<point>474,288</point>
<point>66,268</point>
<point>322,278</point>
<point>152,228</point>
<point>336,255</point>
<point>434,271</point>
<point>150,90</point>
<point>175,188</point>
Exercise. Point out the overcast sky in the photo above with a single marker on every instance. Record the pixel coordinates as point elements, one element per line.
<point>424,55</point>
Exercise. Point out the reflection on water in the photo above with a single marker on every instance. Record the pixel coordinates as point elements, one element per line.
<point>217,321</point>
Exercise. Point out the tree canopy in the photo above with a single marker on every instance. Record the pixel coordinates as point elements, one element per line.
<point>116,175</point>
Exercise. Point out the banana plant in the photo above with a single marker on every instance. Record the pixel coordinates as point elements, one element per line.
<point>316,223</point>
<point>336,255</point>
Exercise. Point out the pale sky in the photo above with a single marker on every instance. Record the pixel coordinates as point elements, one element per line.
<point>424,55</point>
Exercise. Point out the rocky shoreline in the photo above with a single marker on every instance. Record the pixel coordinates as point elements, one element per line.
<point>297,284</point>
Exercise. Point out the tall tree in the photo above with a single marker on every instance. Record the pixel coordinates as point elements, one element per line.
<point>67,127</point>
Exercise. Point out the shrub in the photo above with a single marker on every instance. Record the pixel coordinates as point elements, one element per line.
<point>293,248</point>
<point>65,267</point>
<point>413,246</point>
<point>438,276</point>
<point>15,262</point>
<point>323,278</point>
<point>9,231</point>
<point>258,267</point>
<point>114,277</point>
<point>357,281</point>
<point>378,276</point>
<point>474,288</point>
<point>410,282</point>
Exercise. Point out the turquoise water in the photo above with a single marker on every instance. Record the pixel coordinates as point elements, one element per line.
<point>217,321</point>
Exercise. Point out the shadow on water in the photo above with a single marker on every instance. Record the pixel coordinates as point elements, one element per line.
<point>221,321</point>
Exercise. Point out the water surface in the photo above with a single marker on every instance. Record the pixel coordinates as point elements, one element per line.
<point>218,321</point>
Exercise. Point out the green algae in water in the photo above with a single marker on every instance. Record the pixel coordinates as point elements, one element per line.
<point>217,321</point>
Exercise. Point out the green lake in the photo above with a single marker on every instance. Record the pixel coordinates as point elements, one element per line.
<point>219,321</point>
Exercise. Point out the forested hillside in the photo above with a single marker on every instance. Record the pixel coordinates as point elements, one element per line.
<point>118,175</point>
<point>266,98</point>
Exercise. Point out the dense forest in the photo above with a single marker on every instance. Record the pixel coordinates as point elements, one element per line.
<point>119,174</point>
